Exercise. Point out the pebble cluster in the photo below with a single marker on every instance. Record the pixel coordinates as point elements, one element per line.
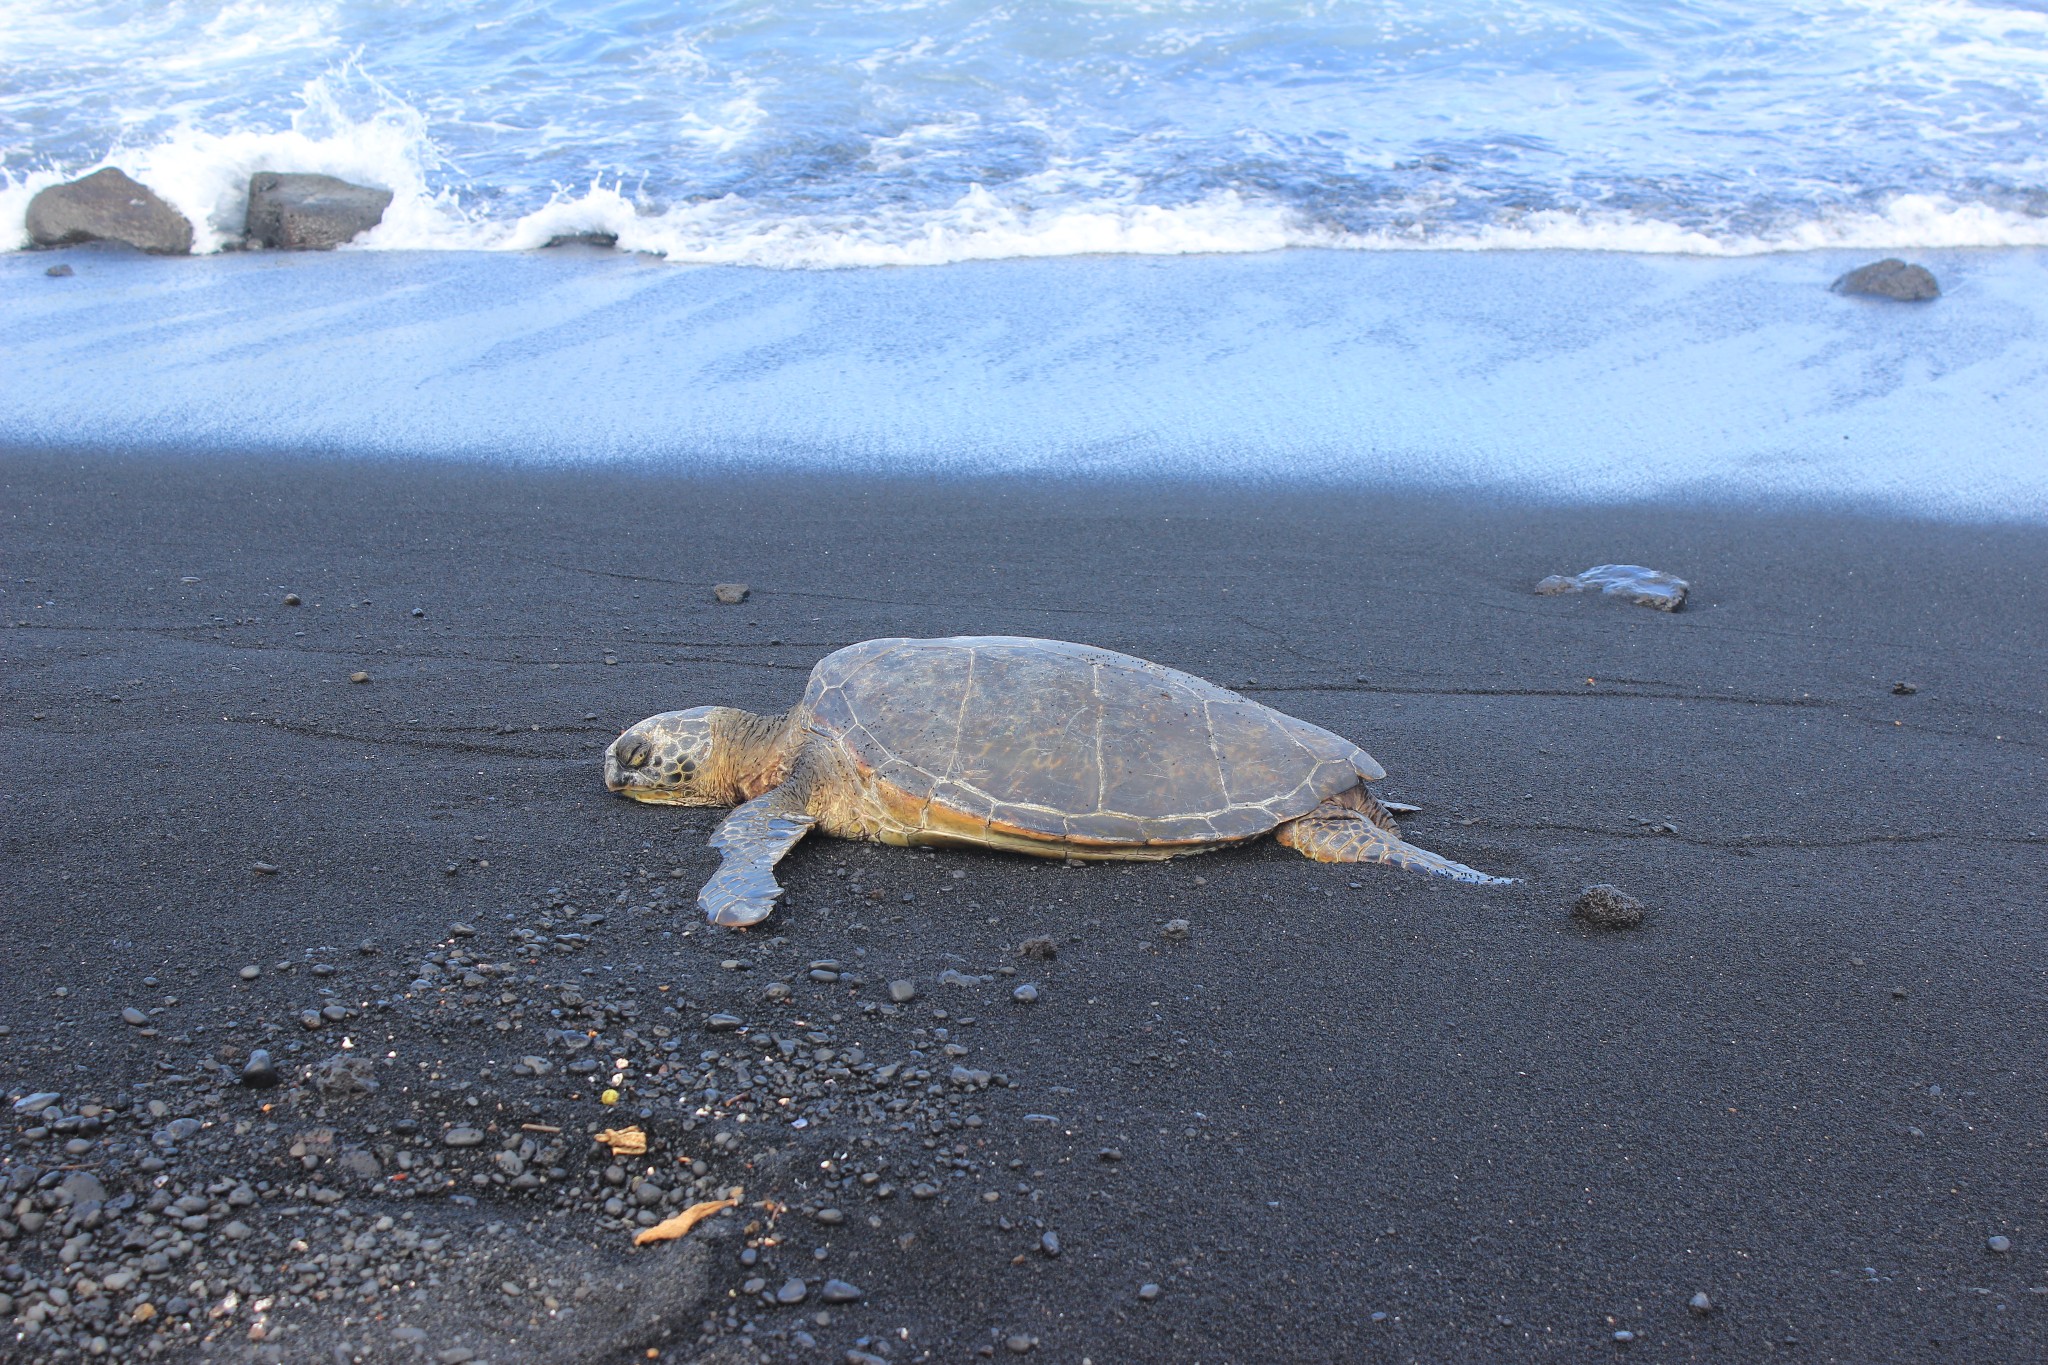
<point>334,1177</point>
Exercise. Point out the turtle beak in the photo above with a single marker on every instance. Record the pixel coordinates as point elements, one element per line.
<point>614,771</point>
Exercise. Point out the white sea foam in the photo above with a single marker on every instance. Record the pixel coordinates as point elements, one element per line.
<point>206,176</point>
<point>814,135</point>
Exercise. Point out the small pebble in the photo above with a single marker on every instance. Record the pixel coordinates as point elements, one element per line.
<point>1025,994</point>
<point>291,599</point>
<point>1049,1243</point>
<point>1176,931</point>
<point>793,1291</point>
<point>902,992</point>
<point>264,869</point>
<point>1148,1291</point>
<point>1624,1337</point>
<point>59,271</point>
<point>729,594</point>
<point>829,1217</point>
<point>463,1137</point>
<point>722,1023</point>
<point>1041,947</point>
<point>251,972</point>
<point>359,677</point>
<point>839,1291</point>
<point>2001,1245</point>
<point>1904,689</point>
<point>1019,1344</point>
<point>134,1016</point>
<point>1700,1304</point>
<point>1898,992</point>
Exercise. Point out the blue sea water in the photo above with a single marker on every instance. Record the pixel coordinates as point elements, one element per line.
<point>820,133</point>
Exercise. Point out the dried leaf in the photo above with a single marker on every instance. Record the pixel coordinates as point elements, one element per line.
<point>624,1141</point>
<point>675,1227</point>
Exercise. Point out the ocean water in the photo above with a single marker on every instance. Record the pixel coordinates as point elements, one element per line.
<point>835,133</point>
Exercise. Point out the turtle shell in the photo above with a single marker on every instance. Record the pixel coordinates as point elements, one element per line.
<point>1049,740</point>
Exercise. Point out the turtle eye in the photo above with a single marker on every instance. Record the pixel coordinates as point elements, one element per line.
<point>632,751</point>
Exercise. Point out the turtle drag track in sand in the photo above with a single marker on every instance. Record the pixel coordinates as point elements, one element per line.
<point>1250,1107</point>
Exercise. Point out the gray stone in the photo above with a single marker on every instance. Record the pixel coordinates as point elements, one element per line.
<point>260,1071</point>
<point>730,594</point>
<point>1026,994</point>
<point>1608,907</point>
<point>60,271</point>
<point>902,992</point>
<point>839,1291</point>
<point>2001,1245</point>
<point>1148,1292</point>
<point>343,1075</point>
<point>84,1188</point>
<point>1700,1304</point>
<point>296,212</point>
<point>107,206</point>
<point>793,1291</point>
<point>41,1099</point>
<point>1890,278</point>
<point>175,1132</point>
<point>134,1016</point>
<point>1175,931</point>
<point>829,1217</point>
<point>1049,1243</point>
<point>1019,1343</point>
<point>463,1137</point>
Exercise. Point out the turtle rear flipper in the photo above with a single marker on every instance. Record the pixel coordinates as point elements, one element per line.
<point>753,839</point>
<point>1338,831</point>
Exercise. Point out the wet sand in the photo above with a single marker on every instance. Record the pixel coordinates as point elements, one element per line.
<point>1809,1087</point>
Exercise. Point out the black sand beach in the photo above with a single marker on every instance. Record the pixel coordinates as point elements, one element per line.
<point>1355,1114</point>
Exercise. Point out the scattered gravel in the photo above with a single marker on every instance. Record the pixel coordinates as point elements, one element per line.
<point>411,1141</point>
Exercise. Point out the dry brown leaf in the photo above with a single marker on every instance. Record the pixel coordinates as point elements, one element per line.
<point>675,1227</point>
<point>624,1141</point>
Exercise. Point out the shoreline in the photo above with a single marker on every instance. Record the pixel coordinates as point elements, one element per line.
<point>1560,376</point>
<point>1348,1092</point>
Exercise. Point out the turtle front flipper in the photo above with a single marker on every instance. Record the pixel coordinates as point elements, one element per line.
<point>1339,831</point>
<point>753,839</point>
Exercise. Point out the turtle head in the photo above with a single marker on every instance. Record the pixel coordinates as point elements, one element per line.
<point>671,759</point>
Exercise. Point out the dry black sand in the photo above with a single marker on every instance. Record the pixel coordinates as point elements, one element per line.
<point>1811,1086</point>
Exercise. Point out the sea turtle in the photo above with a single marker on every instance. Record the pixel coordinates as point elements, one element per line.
<point>1038,746</point>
